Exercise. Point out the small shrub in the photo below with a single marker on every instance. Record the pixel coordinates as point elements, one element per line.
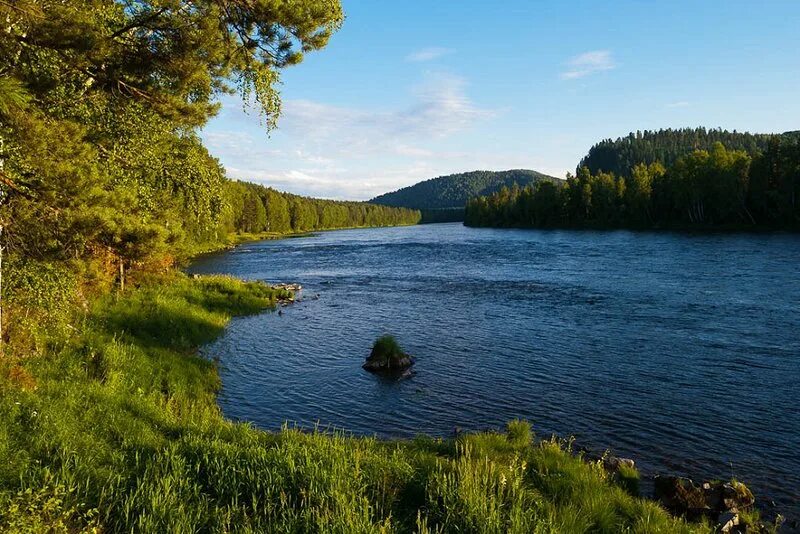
<point>38,300</point>
<point>386,348</point>
<point>46,509</point>
<point>519,432</point>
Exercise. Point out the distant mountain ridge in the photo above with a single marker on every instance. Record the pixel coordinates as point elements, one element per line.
<point>453,191</point>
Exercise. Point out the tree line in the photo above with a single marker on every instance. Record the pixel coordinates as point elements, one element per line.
<point>665,146</point>
<point>257,209</point>
<point>719,187</point>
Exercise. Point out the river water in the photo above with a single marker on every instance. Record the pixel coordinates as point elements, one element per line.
<point>679,350</point>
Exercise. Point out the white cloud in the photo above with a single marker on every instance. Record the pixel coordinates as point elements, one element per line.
<point>428,54</point>
<point>239,145</point>
<point>680,104</point>
<point>440,109</point>
<point>357,152</point>
<point>588,63</point>
<point>402,149</point>
<point>337,183</point>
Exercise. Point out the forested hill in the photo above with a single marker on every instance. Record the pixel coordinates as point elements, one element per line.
<point>705,189</point>
<point>453,191</point>
<point>666,147</point>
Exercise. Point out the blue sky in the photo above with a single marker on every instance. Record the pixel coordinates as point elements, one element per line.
<point>410,90</point>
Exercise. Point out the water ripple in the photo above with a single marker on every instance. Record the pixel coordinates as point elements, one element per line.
<point>680,350</point>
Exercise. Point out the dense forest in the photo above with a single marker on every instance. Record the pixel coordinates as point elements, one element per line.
<point>719,187</point>
<point>102,173</point>
<point>442,215</point>
<point>665,146</point>
<point>259,209</point>
<point>453,191</point>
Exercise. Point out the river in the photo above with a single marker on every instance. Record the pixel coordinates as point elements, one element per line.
<point>679,350</point>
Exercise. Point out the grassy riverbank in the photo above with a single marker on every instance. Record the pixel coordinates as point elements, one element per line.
<point>115,428</point>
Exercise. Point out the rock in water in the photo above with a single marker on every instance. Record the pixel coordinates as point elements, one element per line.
<point>401,363</point>
<point>386,356</point>
<point>728,496</point>
<point>613,464</point>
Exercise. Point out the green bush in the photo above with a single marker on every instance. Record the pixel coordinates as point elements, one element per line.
<point>38,300</point>
<point>386,348</point>
<point>519,432</point>
<point>46,509</point>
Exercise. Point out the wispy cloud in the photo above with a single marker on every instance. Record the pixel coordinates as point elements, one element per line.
<point>441,108</point>
<point>351,152</point>
<point>679,104</point>
<point>588,63</point>
<point>428,54</point>
<point>340,184</point>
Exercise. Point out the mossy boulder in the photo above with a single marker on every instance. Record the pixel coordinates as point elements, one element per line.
<point>681,497</point>
<point>387,356</point>
<point>712,499</point>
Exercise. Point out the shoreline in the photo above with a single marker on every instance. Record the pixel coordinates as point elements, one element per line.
<point>235,240</point>
<point>675,228</point>
<point>641,485</point>
<point>771,513</point>
<point>127,415</point>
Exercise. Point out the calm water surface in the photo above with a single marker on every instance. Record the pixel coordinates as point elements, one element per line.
<point>679,350</point>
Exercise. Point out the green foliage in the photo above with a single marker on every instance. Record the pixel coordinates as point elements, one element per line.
<point>386,348</point>
<point>122,433</point>
<point>628,479</point>
<point>13,96</point>
<point>48,286</point>
<point>519,432</point>
<point>773,190</point>
<point>620,156</point>
<point>174,55</point>
<point>39,298</point>
<point>454,190</point>
<point>473,493</point>
<point>262,209</point>
<point>49,508</point>
<point>716,188</point>
<point>443,215</point>
<point>542,205</point>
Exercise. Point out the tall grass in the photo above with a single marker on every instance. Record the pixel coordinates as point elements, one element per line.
<point>116,429</point>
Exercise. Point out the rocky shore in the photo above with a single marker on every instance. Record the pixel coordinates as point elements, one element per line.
<point>726,505</point>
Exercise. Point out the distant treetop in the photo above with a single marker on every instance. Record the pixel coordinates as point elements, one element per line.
<point>666,147</point>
